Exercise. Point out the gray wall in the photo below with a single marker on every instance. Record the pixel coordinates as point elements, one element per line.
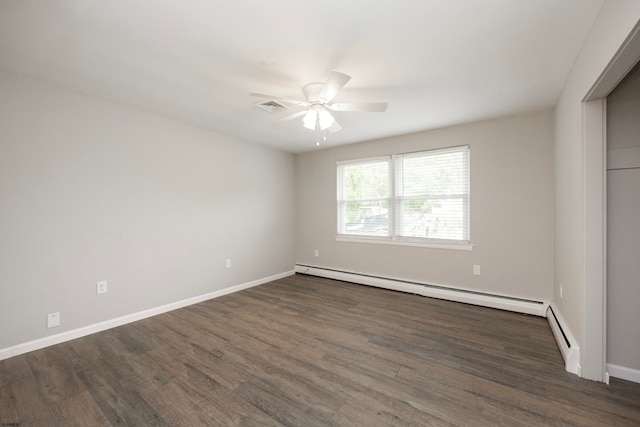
<point>511,210</point>
<point>623,223</point>
<point>92,191</point>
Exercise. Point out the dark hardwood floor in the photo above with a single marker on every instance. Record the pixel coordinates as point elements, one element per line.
<point>305,351</point>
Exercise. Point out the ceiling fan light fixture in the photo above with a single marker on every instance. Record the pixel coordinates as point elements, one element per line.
<point>317,109</point>
<point>318,117</point>
<point>325,119</point>
<point>310,119</point>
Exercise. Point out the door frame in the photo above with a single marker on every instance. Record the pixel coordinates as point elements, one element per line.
<point>594,140</point>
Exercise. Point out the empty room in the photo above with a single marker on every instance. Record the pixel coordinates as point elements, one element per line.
<point>336,213</point>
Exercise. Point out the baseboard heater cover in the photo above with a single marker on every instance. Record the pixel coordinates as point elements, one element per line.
<point>537,308</point>
<point>566,343</point>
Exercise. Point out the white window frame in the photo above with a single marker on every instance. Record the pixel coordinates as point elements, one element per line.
<point>393,239</point>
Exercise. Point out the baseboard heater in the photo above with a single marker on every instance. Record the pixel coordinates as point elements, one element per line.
<point>566,343</point>
<point>537,308</point>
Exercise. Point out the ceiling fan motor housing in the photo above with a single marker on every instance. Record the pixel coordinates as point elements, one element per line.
<point>312,92</point>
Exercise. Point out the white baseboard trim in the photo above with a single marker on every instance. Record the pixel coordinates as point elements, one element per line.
<point>623,373</point>
<point>566,342</point>
<point>129,318</point>
<point>537,308</point>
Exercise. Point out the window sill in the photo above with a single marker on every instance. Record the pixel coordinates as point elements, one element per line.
<point>389,241</point>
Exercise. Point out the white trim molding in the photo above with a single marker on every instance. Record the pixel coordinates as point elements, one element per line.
<point>6,353</point>
<point>502,302</point>
<point>594,182</point>
<point>566,342</point>
<point>595,237</point>
<point>623,373</point>
<point>402,242</point>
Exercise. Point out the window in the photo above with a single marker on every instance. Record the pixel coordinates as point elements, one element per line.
<point>419,198</point>
<point>364,197</point>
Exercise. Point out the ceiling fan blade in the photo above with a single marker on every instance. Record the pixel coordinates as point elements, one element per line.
<point>292,116</point>
<point>278,98</point>
<point>375,107</point>
<point>336,81</point>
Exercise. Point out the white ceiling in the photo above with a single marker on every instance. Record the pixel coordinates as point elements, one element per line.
<point>436,62</point>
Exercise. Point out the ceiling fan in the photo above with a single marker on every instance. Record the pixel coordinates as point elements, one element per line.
<point>317,106</point>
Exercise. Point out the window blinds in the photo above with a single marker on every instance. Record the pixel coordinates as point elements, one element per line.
<point>418,197</point>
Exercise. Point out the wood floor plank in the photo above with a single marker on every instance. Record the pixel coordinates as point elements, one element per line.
<point>356,415</point>
<point>54,376</point>
<point>345,384</point>
<point>120,404</point>
<point>8,407</point>
<point>31,404</point>
<point>80,410</point>
<point>178,408</point>
<point>20,397</point>
<point>308,351</point>
<point>284,407</point>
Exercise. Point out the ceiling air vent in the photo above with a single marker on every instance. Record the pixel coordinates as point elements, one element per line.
<point>271,105</point>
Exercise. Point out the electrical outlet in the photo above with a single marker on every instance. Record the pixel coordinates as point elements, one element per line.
<point>316,252</point>
<point>561,296</point>
<point>227,263</point>
<point>53,320</point>
<point>476,270</point>
<point>102,287</point>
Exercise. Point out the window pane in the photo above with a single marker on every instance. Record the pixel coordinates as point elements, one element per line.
<point>367,218</point>
<point>434,174</point>
<point>363,198</point>
<point>432,194</point>
<point>363,181</point>
<point>432,218</point>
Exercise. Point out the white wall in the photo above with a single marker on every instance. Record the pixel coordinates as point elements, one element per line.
<point>614,23</point>
<point>511,210</point>
<point>623,225</point>
<point>93,191</point>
